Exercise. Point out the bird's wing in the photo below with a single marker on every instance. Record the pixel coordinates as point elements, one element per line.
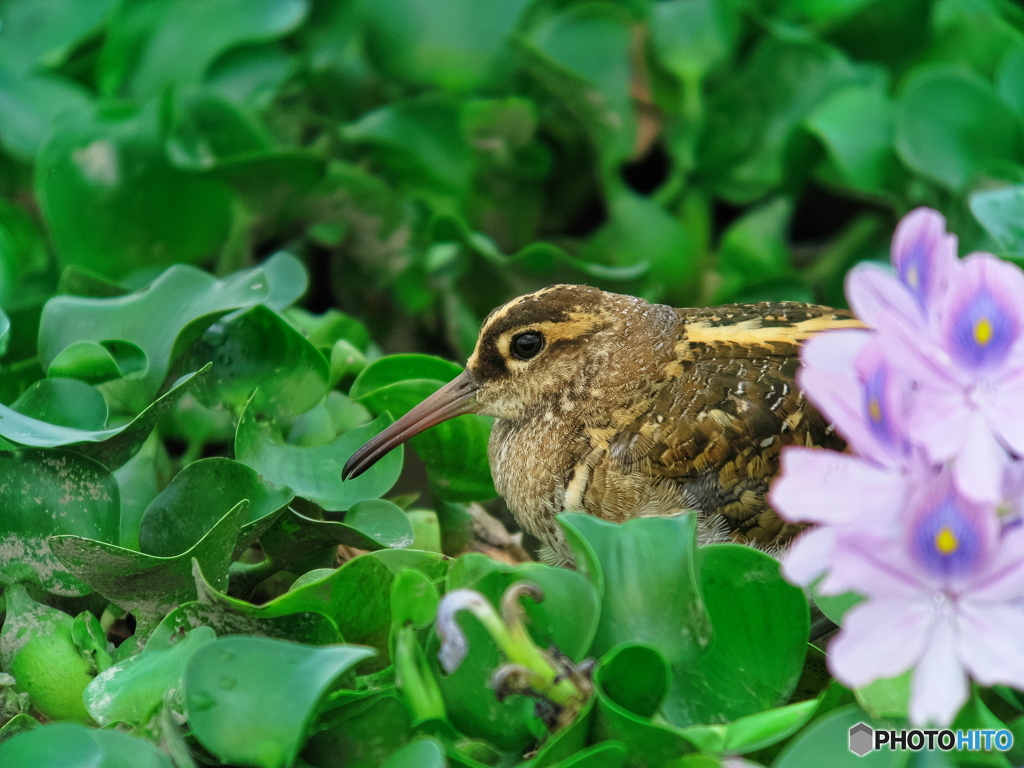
<point>711,436</point>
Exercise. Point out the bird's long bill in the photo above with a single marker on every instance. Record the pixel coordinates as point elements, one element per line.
<point>455,398</point>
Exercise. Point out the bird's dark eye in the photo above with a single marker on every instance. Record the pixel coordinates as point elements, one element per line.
<point>527,345</point>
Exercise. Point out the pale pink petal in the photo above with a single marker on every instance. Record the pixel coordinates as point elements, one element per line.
<point>924,255</point>
<point>1004,409</point>
<point>874,563</point>
<point>989,642</point>
<point>938,420</point>
<point>939,686</point>
<point>873,292</point>
<point>823,486</point>
<point>879,639</point>
<point>809,556</point>
<point>978,469</point>
<point>1002,579</point>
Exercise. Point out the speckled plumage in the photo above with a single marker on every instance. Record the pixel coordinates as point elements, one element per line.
<point>635,409</point>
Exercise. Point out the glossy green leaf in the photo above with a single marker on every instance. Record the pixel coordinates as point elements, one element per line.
<point>817,744</point>
<point>886,698</point>
<point>414,599</point>
<point>448,43</point>
<point>1001,213</point>
<point>422,753</point>
<point>64,402</point>
<point>754,249</point>
<point>754,731</point>
<point>855,124</point>
<point>43,32</point>
<point>396,384</point>
<point>29,102</point>
<point>314,472</point>
<point>690,38</point>
<point>629,687</point>
<point>150,586</point>
<point>363,735</point>
<point>257,351</point>
<point>111,447</point>
<point>111,220</point>
<point>48,492</point>
<point>67,745</point>
<point>142,54</point>
<point>97,362</point>
<point>153,317</point>
<point>229,682</point>
<point>131,691</point>
<point>139,480</point>
<point>199,496</point>
<point>951,126</point>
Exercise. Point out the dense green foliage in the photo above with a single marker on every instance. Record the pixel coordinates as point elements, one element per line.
<point>171,437</point>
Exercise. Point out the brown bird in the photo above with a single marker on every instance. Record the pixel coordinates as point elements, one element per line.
<point>610,405</point>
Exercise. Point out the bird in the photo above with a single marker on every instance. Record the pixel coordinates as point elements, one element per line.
<point>610,405</point>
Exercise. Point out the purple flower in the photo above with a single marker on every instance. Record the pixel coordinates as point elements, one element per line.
<point>944,597</point>
<point>968,406</point>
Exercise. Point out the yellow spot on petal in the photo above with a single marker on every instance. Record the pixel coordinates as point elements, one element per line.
<point>983,331</point>
<point>946,541</point>
<point>874,409</point>
<point>912,276</point>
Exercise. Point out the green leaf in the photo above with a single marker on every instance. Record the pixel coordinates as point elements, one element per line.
<point>951,126</point>
<point>816,745</point>
<point>855,125</point>
<point>111,447</point>
<point>753,732</point>
<point>1001,213</point>
<point>755,249</point>
<point>453,44</point>
<point>29,102</point>
<point>142,55</point>
<point>455,451</point>
<point>363,735</point>
<point>52,492</point>
<point>44,32</point>
<point>229,682</point>
<point>314,472</point>
<point>68,745</point>
<point>256,351</point>
<point>131,691</point>
<point>691,37</point>
<point>422,753</point>
<point>199,496</point>
<point>414,599</point>
<point>114,203</point>
<point>97,362</point>
<point>886,698</point>
<point>65,403</point>
<point>153,317</point>
<point>145,585</point>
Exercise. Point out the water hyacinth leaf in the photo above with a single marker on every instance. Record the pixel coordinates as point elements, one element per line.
<point>362,735</point>
<point>314,472</point>
<point>229,682</point>
<point>355,597</point>
<point>140,479</point>
<point>569,740</point>
<point>111,447</point>
<point>754,731</point>
<point>369,525</point>
<point>31,100</point>
<point>145,585</point>
<point>816,745</point>
<point>103,217</point>
<point>180,295</point>
<point>761,624</point>
<point>142,56</point>
<point>327,329</point>
<point>754,249</point>
<point>633,600</point>
<point>302,627</point>
<point>64,402</point>
<point>96,362</point>
<point>67,22</point>
<point>69,745</point>
<point>455,451</point>
<point>692,37</point>
<point>256,351</point>
<point>836,606</point>
<point>131,691</point>
<point>5,332</point>
<point>1001,213</point>
<point>433,565</point>
<point>422,753</point>
<point>855,125</point>
<point>414,599</point>
<point>950,124</point>
<point>886,697</point>
<point>199,496</point>
<point>52,492</point>
<point>629,686</point>
<point>20,723</point>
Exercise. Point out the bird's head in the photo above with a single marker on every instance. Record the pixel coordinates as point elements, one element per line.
<point>564,347</point>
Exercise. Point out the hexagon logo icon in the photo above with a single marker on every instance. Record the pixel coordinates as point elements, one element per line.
<point>862,738</point>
